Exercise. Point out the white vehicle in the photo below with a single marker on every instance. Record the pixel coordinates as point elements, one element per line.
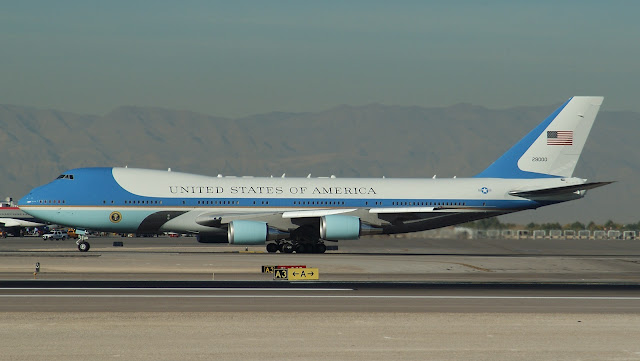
<point>54,235</point>
<point>300,214</point>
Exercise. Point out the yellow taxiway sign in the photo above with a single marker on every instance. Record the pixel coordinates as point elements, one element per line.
<point>296,274</point>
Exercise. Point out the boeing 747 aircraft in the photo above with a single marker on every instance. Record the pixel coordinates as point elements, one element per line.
<point>300,214</point>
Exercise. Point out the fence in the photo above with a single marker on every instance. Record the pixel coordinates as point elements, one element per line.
<point>555,234</point>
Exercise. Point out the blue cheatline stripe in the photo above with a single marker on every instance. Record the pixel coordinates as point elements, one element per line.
<point>230,203</point>
<point>507,165</point>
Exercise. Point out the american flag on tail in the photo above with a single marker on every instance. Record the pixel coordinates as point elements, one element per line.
<point>560,137</point>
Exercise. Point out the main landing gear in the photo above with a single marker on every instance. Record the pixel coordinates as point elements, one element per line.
<point>298,247</point>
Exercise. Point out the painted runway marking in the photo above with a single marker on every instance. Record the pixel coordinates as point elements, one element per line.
<point>576,298</point>
<point>168,289</point>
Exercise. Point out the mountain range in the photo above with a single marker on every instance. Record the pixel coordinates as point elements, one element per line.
<point>372,140</point>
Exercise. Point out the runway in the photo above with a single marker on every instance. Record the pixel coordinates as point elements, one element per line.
<point>377,299</point>
<point>322,297</point>
<point>420,275</point>
<point>369,259</point>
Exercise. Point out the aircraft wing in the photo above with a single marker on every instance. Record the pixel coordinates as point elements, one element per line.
<point>12,222</point>
<point>402,210</point>
<point>315,213</point>
<point>389,218</point>
<point>8,222</point>
<point>216,219</point>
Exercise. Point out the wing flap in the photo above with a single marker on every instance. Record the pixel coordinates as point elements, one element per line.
<point>402,210</point>
<point>316,213</point>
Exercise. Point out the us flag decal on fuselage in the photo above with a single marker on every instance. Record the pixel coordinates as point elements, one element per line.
<point>560,137</point>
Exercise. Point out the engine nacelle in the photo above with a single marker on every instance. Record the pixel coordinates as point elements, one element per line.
<point>336,227</point>
<point>252,232</point>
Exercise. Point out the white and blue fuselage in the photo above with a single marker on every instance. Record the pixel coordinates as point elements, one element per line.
<point>535,172</point>
<point>86,197</point>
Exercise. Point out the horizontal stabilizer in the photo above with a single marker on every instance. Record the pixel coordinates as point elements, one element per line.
<point>558,190</point>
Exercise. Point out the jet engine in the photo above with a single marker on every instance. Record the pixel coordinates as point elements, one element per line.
<point>339,227</point>
<point>335,227</point>
<point>252,232</point>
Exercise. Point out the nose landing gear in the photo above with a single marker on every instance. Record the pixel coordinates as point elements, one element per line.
<point>83,245</point>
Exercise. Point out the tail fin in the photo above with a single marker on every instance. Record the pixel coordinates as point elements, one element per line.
<point>551,149</point>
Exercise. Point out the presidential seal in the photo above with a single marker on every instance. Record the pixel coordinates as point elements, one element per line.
<point>115,217</point>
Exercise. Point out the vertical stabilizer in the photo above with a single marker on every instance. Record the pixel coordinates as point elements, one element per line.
<point>553,148</point>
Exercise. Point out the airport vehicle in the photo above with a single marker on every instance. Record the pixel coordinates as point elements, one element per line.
<point>71,233</point>
<point>300,214</point>
<point>55,235</point>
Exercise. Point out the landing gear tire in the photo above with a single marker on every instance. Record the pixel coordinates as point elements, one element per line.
<point>287,248</point>
<point>302,248</point>
<point>272,247</point>
<point>320,248</point>
<point>83,246</point>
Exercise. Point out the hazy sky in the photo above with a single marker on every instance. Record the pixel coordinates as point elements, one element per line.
<point>235,58</point>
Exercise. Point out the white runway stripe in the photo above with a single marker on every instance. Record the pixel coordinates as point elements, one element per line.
<point>576,298</point>
<point>168,289</point>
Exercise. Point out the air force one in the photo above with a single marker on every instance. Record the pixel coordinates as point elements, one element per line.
<point>300,214</point>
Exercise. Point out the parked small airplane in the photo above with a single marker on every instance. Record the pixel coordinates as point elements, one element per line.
<point>14,221</point>
<point>299,214</point>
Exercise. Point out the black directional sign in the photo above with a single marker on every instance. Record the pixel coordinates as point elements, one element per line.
<point>267,269</point>
<point>280,273</point>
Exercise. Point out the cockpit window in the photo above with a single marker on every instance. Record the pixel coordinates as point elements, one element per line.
<point>65,176</point>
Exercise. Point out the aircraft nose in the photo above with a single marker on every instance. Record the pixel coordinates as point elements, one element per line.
<point>29,199</point>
